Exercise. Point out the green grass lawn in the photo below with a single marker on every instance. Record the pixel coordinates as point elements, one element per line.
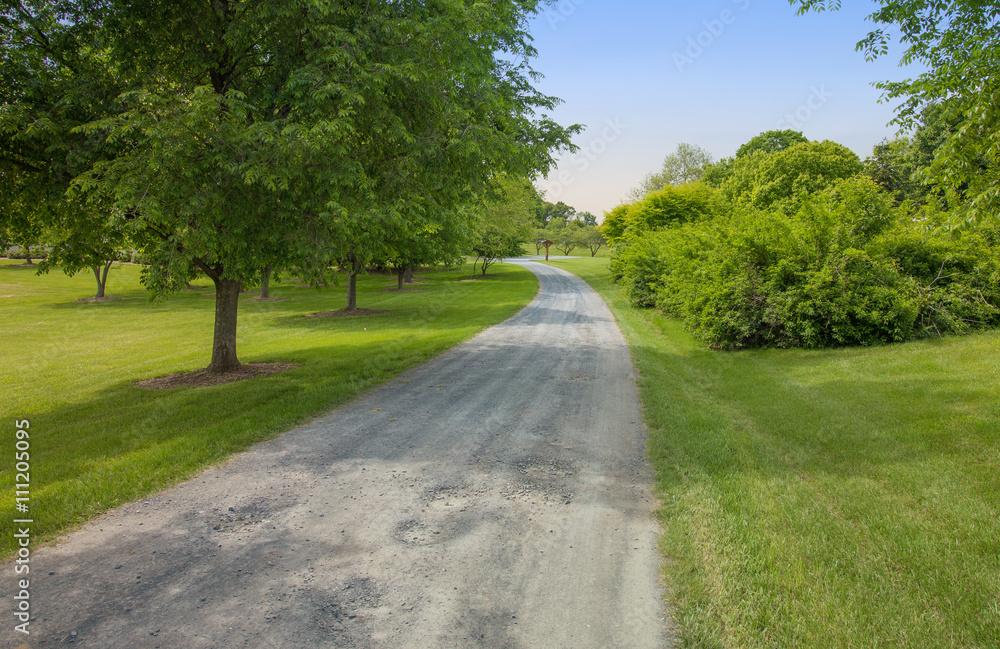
<point>98,441</point>
<point>843,498</point>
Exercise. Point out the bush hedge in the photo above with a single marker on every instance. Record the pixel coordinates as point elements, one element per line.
<point>847,267</point>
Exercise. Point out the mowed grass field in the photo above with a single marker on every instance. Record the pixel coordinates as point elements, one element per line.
<point>98,441</point>
<point>842,498</point>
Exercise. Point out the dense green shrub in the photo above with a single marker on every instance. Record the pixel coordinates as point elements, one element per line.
<point>780,179</point>
<point>666,207</point>
<point>847,267</point>
<point>638,266</point>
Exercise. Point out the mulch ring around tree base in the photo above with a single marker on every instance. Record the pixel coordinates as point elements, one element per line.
<point>344,313</point>
<point>477,277</point>
<point>99,299</point>
<point>269,299</point>
<point>201,378</point>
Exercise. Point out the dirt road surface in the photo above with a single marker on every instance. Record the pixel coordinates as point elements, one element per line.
<point>496,497</point>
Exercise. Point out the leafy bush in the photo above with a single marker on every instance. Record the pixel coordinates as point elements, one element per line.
<point>666,207</point>
<point>764,180</point>
<point>638,266</point>
<point>21,253</point>
<point>847,267</point>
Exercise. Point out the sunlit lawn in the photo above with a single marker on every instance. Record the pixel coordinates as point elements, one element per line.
<point>98,441</point>
<point>844,498</point>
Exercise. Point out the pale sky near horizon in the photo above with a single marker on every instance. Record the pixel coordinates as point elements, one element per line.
<point>646,75</point>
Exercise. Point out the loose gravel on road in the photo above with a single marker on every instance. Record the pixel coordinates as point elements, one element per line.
<point>497,497</point>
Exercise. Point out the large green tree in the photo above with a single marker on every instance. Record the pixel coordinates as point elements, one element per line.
<point>55,76</point>
<point>762,180</point>
<point>957,42</point>
<point>270,133</point>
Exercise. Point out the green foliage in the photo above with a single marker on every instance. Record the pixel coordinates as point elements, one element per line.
<point>57,77</point>
<point>847,267</point>
<point>892,167</point>
<point>593,238</point>
<point>771,142</point>
<point>665,207</point>
<point>549,212</point>
<point>615,223</point>
<point>672,205</point>
<point>566,235</point>
<point>22,253</point>
<point>686,165</point>
<point>958,45</point>
<point>235,136</point>
<point>503,222</point>
<point>639,265</point>
<point>903,165</point>
<point>718,172</point>
<point>762,180</point>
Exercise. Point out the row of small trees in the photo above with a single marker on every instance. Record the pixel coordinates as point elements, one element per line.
<point>567,236</point>
<point>239,136</point>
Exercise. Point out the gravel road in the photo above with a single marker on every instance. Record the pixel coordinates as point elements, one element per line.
<point>495,497</point>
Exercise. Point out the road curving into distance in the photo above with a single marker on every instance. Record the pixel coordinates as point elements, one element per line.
<point>497,497</point>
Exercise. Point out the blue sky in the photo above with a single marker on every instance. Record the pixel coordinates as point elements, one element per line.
<point>646,75</point>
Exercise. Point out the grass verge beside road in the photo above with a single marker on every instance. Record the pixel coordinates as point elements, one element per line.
<point>840,498</point>
<point>98,441</point>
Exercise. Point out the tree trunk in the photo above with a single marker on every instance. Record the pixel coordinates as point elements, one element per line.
<point>400,273</point>
<point>27,254</point>
<point>102,280</point>
<point>227,302</point>
<point>408,275</point>
<point>352,289</point>
<point>265,282</point>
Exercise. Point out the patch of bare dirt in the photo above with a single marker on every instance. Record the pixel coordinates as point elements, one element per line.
<point>99,299</point>
<point>3,296</point>
<point>201,378</point>
<point>22,265</point>
<point>344,313</point>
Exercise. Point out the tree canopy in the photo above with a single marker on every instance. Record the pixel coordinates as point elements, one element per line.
<point>771,142</point>
<point>259,133</point>
<point>763,179</point>
<point>958,44</point>
<point>687,164</point>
